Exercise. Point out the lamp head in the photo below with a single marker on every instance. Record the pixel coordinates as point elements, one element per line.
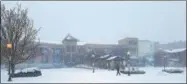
<point>128,53</point>
<point>9,45</point>
<point>93,55</point>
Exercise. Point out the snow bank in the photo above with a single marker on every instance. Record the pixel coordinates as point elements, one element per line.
<point>41,66</point>
<point>76,75</point>
<point>83,66</point>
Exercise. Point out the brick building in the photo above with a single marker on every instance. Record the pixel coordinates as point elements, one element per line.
<point>70,53</point>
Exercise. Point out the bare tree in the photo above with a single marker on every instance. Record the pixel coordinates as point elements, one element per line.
<point>17,29</point>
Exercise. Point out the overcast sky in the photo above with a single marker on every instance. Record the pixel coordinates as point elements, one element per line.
<point>107,22</point>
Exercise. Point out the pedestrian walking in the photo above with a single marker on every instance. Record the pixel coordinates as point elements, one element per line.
<point>117,68</point>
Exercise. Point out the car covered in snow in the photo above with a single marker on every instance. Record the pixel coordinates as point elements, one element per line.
<point>173,71</point>
<point>132,71</point>
<point>28,72</point>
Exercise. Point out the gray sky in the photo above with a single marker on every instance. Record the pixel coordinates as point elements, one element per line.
<point>108,21</point>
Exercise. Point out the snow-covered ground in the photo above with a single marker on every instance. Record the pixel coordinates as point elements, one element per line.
<point>76,75</point>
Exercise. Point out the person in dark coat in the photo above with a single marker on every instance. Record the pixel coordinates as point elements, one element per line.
<point>117,68</point>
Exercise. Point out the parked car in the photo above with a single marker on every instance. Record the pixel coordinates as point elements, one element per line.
<point>28,72</point>
<point>173,71</point>
<point>133,71</point>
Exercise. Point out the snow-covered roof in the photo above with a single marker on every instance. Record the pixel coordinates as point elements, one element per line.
<point>105,56</point>
<point>111,58</point>
<point>100,45</point>
<point>175,50</point>
<point>69,37</point>
<point>53,42</point>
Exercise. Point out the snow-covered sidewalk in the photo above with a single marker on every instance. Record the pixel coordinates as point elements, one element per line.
<point>76,75</point>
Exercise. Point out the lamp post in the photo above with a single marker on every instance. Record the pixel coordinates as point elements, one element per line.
<point>71,54</point>
<point>93,65</point>
<point>128,62</point>
<point>9,46</point>
<point>165,62</point>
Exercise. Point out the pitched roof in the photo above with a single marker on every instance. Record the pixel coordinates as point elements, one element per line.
<point>115,58</point>
<point>69,37</point>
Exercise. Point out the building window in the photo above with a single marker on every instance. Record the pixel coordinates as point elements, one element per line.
<point>68,48</point>
<point>57,51</point>
<point>132,42</point>
<point>71,48</point>
<point>45,54</point>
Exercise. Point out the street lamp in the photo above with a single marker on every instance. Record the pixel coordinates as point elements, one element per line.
<point>93,57</point>
<point>128,53</point>
<point>165,62</point>
<point>9,46</point>
<point>128,62</point>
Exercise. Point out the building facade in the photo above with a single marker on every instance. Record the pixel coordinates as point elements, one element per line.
<point>171,58</point>
<point>146,48</point>
<point>71,53</point>
<point>131,44</point>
